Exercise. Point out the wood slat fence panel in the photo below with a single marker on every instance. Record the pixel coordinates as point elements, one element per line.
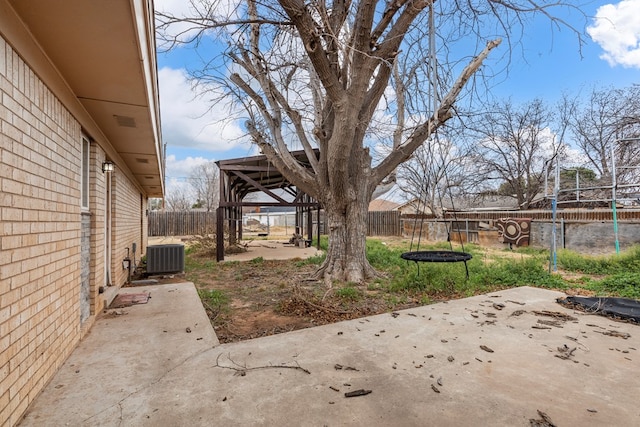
<point>568,215</point>
<point>183,223</point>
<point>189,223</point>
<point>382,223</point>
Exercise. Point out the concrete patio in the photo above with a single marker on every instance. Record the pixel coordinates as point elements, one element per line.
<point>485,360</point>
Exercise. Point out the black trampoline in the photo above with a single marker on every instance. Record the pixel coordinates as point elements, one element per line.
<point>436,256</point>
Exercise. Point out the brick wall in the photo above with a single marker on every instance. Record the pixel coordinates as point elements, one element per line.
<point>97,200</point>
<point>40,146</point>
<point>41,268</point>
<point>127,214</point>
<point>145,225</point>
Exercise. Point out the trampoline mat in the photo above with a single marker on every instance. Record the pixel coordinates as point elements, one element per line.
<point>618,308</point>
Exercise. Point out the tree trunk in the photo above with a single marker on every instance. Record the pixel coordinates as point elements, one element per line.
<point>346,205</point>
<point>346,257</point>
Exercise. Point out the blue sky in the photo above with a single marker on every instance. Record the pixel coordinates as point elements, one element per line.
<point>551,62</point>
<point>546,64</point>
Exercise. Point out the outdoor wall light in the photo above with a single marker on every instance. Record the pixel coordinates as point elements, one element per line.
<point>108,166</point>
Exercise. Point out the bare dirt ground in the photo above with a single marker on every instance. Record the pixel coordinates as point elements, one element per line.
<point>275,296</point>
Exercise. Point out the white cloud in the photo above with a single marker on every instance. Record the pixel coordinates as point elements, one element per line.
<point>616,29</point>
<point>178,8</point>
<point>178,173</point>
<point>187,29</point>
<point>184,167</point>
<point>190,120</point>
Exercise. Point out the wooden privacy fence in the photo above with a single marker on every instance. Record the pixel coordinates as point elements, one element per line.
<point>382,223</point>
<point>192,223</point>
<point>182,223</point>
<point>589,215</point>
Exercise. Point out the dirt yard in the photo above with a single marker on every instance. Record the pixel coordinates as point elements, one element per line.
<point>267,297</point>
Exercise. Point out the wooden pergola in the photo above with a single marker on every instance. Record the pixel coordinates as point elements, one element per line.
<point>243,176</point>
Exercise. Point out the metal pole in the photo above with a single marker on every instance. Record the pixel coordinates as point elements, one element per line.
<point>553,263</point>
<point>613,198</point>
<point>554,232</point>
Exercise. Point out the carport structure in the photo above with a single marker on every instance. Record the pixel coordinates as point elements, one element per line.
<point>244,176</point>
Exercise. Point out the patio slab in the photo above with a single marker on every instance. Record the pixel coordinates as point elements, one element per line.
<point>485,360</point>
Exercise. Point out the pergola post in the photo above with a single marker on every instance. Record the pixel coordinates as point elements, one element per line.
<point>220,234</point>
<point>309,221</point>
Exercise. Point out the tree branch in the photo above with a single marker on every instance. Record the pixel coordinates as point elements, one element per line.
<point>422,132</point>
<point>299,15</point>
<point>284,158</point>
<point>242,370</point>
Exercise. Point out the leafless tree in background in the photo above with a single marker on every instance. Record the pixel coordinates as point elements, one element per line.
<point>513,144</point>
<point>178,199</point>
<point>155,204</point>
<point>435,174</point>
<point>609,122</point>
<point>205,180</point>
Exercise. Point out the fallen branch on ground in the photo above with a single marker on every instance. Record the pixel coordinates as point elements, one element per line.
<point>298,295</point>
<point>241,370</point>
<point>555,314</point>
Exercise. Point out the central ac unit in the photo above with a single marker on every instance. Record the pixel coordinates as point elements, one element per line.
<point>165,259</point>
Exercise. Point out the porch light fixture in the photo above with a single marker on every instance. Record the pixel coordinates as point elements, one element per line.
<point>108,166</point>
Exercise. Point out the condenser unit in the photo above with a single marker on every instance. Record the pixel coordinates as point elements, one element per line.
<point>165,259</point>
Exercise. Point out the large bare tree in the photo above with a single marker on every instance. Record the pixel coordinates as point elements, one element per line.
<point>205,181</point>
<point>513,144</point>
<point>316,74</point>
<point>606,128</point>
<point>435,174</point>
<point>178,199</point>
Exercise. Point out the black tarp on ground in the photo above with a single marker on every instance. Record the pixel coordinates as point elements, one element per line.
<point>619,308</point>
